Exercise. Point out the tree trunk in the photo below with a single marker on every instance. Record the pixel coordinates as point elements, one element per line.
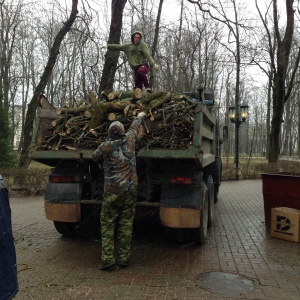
<point>178,50</point>
<point>278,106</point>
<point>298,106</point>
<point>279,80</point>
<point>32,106</point>
<point>155,41</point>
<point>267,149</point>
<point>112,56</point>
<point>227,142</point>
<point>287,129</point>
<point>9,22</point>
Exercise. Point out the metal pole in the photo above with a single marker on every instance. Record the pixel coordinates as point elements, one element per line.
<point>237,127</point>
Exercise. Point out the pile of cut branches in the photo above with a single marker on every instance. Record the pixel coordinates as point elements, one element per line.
<point>168,124</point>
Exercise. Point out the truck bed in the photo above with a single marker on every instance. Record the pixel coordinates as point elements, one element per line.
<point>201,150</point>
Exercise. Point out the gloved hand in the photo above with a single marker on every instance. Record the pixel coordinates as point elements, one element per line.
<point>104,47</point>
<point>141,114</point>
<point>155,67</point>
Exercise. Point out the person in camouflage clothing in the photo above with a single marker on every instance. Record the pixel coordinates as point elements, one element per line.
<point>117,154</point>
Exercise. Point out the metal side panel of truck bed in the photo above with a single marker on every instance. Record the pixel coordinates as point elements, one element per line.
<point>44,117</point>
<point>44,155</point>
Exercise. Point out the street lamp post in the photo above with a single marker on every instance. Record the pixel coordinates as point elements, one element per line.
<point>235,118</point>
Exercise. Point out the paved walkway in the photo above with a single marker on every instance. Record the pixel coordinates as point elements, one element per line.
<point>54,267</point>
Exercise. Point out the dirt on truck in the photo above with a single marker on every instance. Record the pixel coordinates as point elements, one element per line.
<point>178,159</point>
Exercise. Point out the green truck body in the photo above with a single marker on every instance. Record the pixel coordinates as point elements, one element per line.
<point>181,185</point>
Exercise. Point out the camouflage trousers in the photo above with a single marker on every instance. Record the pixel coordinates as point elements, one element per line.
<point>117,215</point>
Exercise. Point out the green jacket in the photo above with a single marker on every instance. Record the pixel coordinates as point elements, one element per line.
<point>137,54</point>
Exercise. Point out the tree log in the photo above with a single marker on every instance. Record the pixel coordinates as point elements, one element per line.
<point>111,117</point>
<point>147,98</point>
<point>74,120</point>
<point>111,96</point>
<point>114,96</point>
<point>92,97</point>
<point>43,102</point>
<point>159,101</point>
<point>138,94</point>
<point>127,109</point>
<point>79,102</point>
<point>104,96</point>
<point>88,114</point>
<point>56,122</point>
<point>127,94</point>
<point>72,110</point>
<point>102,109</point>
<point>179,97</point>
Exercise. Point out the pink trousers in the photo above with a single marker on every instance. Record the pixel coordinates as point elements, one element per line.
<point>140,76</point>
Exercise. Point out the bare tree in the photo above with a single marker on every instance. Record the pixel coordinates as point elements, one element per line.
<point>32,106</point>
<point>287,129</point>
<point>10,18</point>
<point>156,36</point>
<point>111,56</point>
<point>279,64</point>
<point>234,26</point>
<point>298,114</point>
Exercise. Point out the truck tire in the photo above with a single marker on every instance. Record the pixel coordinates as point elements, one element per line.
<point>64,228</point>
<point>211,200</point>
<point>217,176</point>
<point>201,232</point>
<point>90,224</point>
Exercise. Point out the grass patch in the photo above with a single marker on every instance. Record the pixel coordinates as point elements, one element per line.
<point>257,166</point>
<point>37,165</point>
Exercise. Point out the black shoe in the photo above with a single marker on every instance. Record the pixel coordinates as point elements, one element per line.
<point>123,264</point>
<point>107,266</point>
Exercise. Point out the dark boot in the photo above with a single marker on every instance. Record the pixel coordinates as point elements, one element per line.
<point>123,264</point>
<point>107,266</point>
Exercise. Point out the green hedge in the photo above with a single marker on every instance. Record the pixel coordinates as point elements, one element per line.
<point>30,181</point>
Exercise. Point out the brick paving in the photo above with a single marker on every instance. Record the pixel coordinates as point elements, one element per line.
<point>51,266</point>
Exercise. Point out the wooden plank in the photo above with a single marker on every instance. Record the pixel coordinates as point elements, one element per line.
<point>180,217</point>
<point>63,212</point>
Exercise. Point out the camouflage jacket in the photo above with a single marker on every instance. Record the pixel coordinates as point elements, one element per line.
<point>119,162</point>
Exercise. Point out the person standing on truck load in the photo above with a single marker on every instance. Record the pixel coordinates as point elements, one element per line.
<point>138,55</point>
<point>117,155</point>
<point>8,266</point>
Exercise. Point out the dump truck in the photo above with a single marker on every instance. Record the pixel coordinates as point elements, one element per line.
<point>181,185</point>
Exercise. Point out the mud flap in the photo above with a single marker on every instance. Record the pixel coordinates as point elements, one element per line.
<point>62,201</point>
<point>180,205</point>
<point>180,217</point>
<point>63,192</point>
<point>63,212</point>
